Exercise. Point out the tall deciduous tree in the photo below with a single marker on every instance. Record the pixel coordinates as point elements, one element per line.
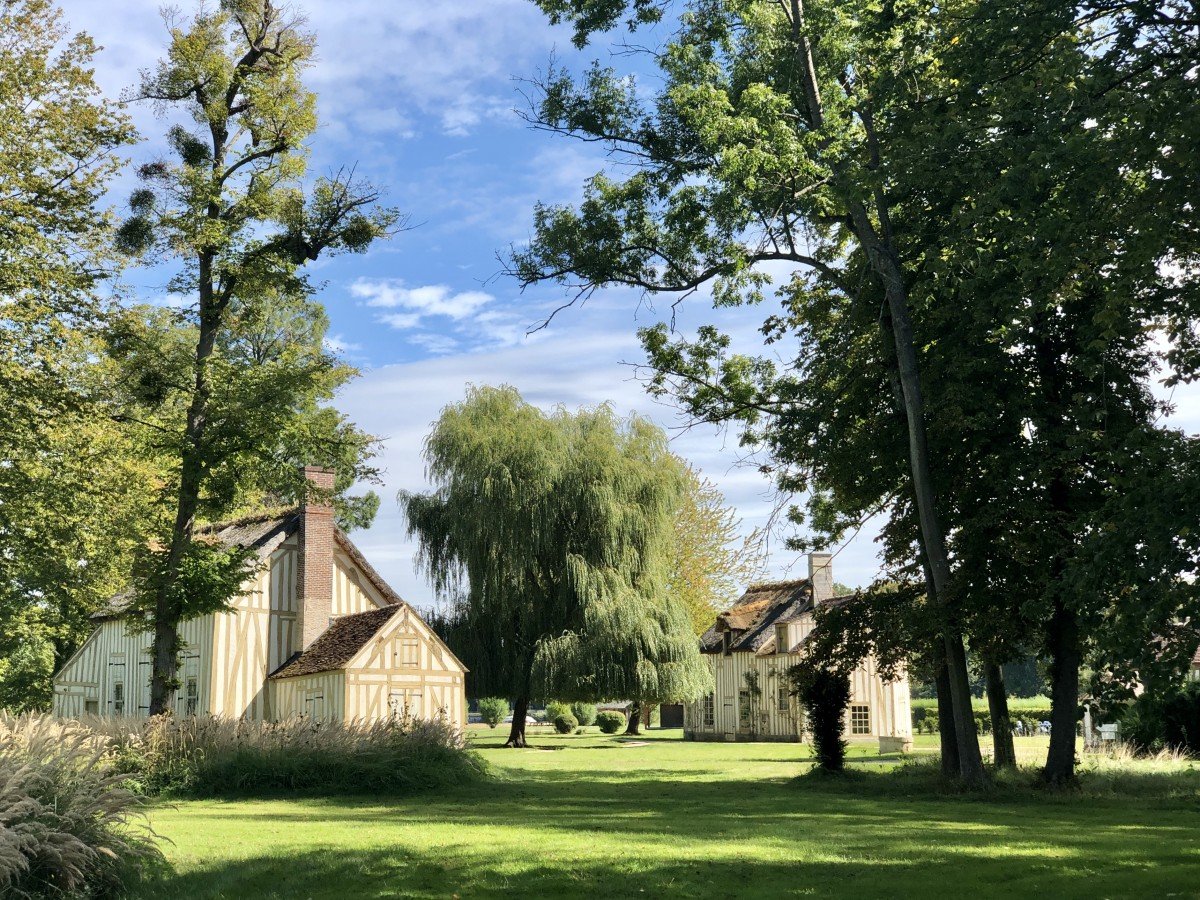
<point>767,143</point>
<point>711,561</point>
<point>552,533</point>
<point>70,484</point>
<point>231,209</point>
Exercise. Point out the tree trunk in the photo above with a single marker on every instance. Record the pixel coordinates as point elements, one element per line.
<point>635,719</point>
<point>879,246</point>
<point>949,739</point>
<point>516,734</point>
<point>1004,752</point>
<point>1066,657</point>
<point>165,651</point>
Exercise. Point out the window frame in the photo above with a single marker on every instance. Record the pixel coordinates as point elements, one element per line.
<point>708,710</point>
<point>781,646</point>
<point>784,700</point>
<point>118,698</point>
<point>860,718</point>
<point>191,695</point>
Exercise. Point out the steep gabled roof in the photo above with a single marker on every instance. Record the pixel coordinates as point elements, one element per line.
<point>338,644</point>
<point>751,621</point>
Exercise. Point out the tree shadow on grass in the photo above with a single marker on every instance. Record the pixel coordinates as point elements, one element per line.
<point>660,832</point>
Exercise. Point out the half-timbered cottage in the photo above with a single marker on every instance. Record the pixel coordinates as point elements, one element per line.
<point>315,632</point>
<point>750,648</point>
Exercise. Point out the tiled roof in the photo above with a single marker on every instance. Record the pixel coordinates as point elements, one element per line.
<point>752,619</point>
<point>338,644</point>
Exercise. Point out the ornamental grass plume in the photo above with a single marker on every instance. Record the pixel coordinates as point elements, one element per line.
<point>69,824</point>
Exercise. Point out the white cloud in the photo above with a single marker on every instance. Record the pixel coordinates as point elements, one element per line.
<point>427,300</point>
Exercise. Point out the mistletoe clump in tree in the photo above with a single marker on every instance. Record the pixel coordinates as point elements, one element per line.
<point>229,206</point>
<point>551,535</point>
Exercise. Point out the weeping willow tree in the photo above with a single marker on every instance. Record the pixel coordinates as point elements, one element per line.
<point>551,535</point>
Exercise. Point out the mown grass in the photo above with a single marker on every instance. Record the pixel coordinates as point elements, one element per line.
<point>599,816</point>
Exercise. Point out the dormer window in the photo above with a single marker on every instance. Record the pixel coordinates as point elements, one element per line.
<point>726,643</point>
<point>781,639</point>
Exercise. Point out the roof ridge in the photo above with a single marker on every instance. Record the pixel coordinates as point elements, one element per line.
<point>776,585</point>
<point>266,515</point>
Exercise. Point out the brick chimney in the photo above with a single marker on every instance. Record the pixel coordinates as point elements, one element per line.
<point>820,574</point>
<point>314,576</point>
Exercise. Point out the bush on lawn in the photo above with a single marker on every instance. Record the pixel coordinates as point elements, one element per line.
<point>556,708</point>
<point>610,721</point>
<point>565,723</point>
<point>584,712</point>
<point>69,826</point>
<point>209,756</point>
<point>492,710</point>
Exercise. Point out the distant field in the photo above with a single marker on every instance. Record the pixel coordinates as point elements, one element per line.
<point>595,816</point>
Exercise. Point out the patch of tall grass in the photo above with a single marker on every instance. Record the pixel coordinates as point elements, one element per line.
<point>69,825</point>
<point>211,756</point>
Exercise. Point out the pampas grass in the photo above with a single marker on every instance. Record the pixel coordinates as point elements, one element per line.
<point>69,825</point>
<point>212,756</point>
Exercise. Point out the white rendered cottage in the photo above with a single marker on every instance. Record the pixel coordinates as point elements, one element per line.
<point>315,632</point>
<point>750,648</point>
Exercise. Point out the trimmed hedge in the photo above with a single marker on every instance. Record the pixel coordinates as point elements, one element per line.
<point>492,710</point>
<point>925,715</point>
<point>610,721</point>
<point>565,724</point>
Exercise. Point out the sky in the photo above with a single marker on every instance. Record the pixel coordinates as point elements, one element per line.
<point>422,99</point>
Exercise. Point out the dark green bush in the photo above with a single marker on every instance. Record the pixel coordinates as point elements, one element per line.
<point>492,710</point>
<point>565,724</point>
<point>584,712</point>
<point>1156,722</point>
<point>610,721</point>
<point>825,696</point>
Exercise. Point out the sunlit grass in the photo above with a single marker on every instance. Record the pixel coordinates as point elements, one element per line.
<point>593,815</point>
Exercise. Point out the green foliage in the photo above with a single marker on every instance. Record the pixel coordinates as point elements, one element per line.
<point>230,205</point>
<point>565,723</point>
<point>556,708</point>
<point>825,696</point>
<point>710,563</point>
<point>610,721</point>
<point>492,710</point>
<point>206,756</point>
<point>69,825</point>
<point>74,489</point>
<point>558,574</point>
<point>1164,720</point>
<point>584,712</point>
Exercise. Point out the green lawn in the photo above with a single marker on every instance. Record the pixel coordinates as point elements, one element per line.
<point>599,817</point>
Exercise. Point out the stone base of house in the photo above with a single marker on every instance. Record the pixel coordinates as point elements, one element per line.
<point>893,744</point>
<point>741,737</point>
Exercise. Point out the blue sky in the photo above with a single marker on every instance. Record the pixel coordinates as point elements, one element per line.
<point>421,98</point>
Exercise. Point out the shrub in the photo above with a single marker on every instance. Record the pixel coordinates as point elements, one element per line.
<point>1157,722</point>
<point>492,710</point>
<point>565,724</point>
<point>584,712</point>
<point>69,826</point>
<point>825,696</point>
<point>610,721</point>
<point>556,708</point>
<point>208,756</point>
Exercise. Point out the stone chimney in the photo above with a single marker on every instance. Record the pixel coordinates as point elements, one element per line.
<point>820,574</point>
<point>314,575</point>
